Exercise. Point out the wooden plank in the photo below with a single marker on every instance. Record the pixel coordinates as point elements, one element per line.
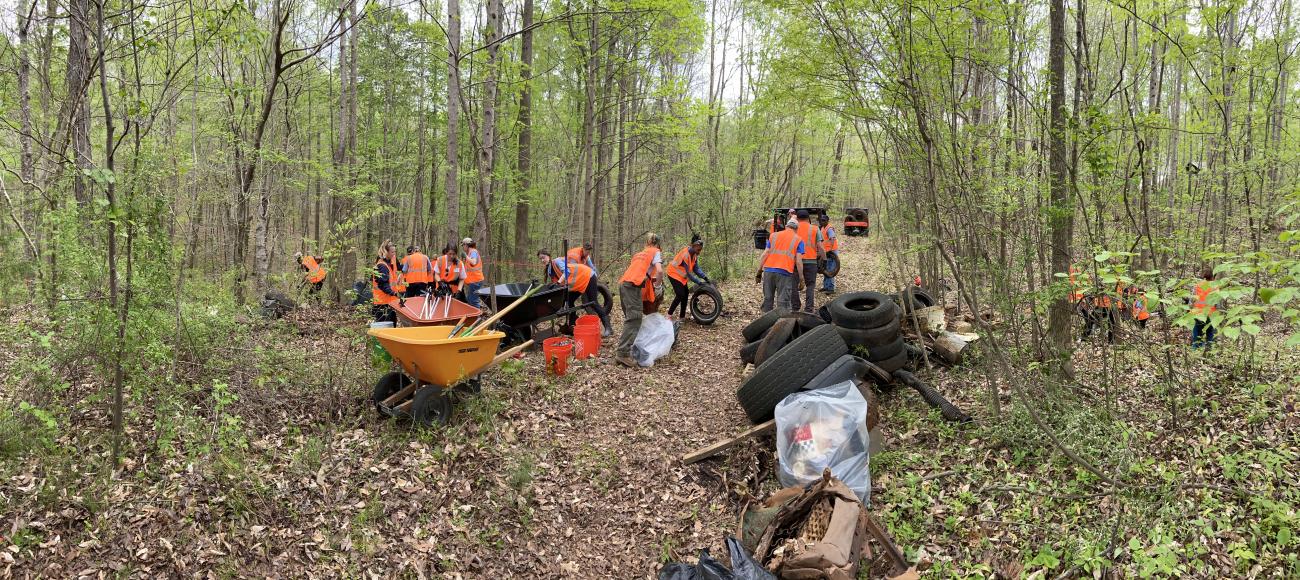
<point>725,444</point>
<point>399,395</point>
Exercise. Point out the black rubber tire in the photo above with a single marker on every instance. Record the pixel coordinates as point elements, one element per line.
<point>748,351</point>
<point>872,337</point>
<point>758,327</point>
<point>886,352</point>
<point>846,368</point>
<point>604,297</point>
<point>789,370</point>
<point>705,293</point>
<point>824,313</point>
<point>850,218</point>
<point>776,339</point>
<point>862,310</point>
<point>805,320</point>
<point>431,407</point>
<point>860,214</point>
<point>916,299</point>
<point>387,386</point>
<point>899,361</point>
<point>831,273</point>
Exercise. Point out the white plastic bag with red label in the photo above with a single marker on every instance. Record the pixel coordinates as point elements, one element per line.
<point>825,428</point>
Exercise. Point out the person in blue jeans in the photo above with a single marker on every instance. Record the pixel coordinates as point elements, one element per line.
<point>832,242</point>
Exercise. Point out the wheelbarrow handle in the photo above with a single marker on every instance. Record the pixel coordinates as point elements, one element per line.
<point>507,354</point>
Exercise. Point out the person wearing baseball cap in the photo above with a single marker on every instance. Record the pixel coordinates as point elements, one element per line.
<point>473,271</point>
<point>813,250</point>
<point>780,266</point>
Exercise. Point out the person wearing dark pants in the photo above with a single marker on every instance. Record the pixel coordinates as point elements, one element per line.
<point>831,241</point>
<point>582,286</point>
<point>685,267</point>
<point>811,240</point>
<point>1202,330</point>
<point>780,267</point>
<point>636,286</point>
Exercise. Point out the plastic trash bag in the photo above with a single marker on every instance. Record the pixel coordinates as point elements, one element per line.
<point>743,567</point>
<point>654,340</point>
<point>820,429</point>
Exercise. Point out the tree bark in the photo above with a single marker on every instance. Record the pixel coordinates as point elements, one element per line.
<point>524,161</point>
<point>453,120</point>
<point>1061,212</point>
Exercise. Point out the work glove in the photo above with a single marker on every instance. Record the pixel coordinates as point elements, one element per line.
<point>758,277</point>
<point>401,302</point>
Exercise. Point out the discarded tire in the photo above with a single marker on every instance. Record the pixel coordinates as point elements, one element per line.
<point>871,337</point>
<point>604,297</point>
<point>862,310</point>
<point>932,397</point>
<point>805,320</point>
<point>831,265</point>
<point>824,313</point>
<point>706,304</point>
<point>898,361</point>
<point>775,339</point>
<point>748,351</point>
<point>916,299</point>
<point>755,329</point>
<point>387,386</point>
<point>886,351</point>
<point>788,370</point>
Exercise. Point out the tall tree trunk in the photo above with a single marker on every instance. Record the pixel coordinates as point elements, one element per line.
<point>524,162</point>
<point>77,81</point>
<point>1061,212</point>
<point>453,121</point>
<point>488,129</point>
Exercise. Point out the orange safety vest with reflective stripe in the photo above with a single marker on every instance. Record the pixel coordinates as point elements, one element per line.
<point>832,243</point>
<point>782,253</point>
<point>415,269</point>
<point>473,267</point>
<point>808,234</point>
<point>447,272</point>
<point>379,296</point>
<point>1140,311</point>
<point>315,273</point>
<point>579,275</point>
<point>574,255</point>
<point>1076,291</point>
<point>682,263</point>
<point>1203,290</point>
<point>638,272</point>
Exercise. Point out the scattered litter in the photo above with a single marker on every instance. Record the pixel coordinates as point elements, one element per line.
<point>654,340</point>
<point>743,567</point>
<point>823,430</point>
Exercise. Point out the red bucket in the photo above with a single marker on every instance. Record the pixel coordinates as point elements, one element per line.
<point>557,350</point>
<point>587,338</point>
<point>587,320</point>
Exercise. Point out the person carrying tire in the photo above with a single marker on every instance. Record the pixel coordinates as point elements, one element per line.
<point>315,273</point>
<point>417,270</point>
<point>832,244</point>
<point>685,267</point>
<point>582,255</point>
<point>780,267</point>
<point>812,253</point>
<point>384,293</point>
<point>473,271</point>
<point>582,285</point>
<point>635,287</point>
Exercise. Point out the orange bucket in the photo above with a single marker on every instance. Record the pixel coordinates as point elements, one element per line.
<point>588,339</point>
<point>557,350</point>
<point>587,320</point>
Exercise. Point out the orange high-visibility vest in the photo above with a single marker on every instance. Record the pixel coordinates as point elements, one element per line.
<point>1140,311</point>
<point>638,272</point>
<point>808,234</point>
<point>575,255</point>
<point>782,254</point>
<point>579,275</point>
<point>1076,291</point>
<point>1203,290</point>
<point>473,267</point>
<point>832,242</point>
<point>682,263</point>
<point>315,273</point>
<point>379,296</point>
<point>447,272</point>
<point>415,268</point>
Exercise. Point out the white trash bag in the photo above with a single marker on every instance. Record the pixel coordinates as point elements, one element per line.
<point>654,340</point>
<point>824,428</point>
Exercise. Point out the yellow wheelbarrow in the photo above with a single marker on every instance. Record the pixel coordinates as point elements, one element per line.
<point>433,366</point>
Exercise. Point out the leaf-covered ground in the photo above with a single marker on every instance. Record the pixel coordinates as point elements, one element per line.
<point>263,458</point>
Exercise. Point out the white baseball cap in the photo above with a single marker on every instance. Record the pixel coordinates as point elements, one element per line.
<point>467,241</point>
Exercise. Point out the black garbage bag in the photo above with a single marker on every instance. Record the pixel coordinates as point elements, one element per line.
<point>743,567</point>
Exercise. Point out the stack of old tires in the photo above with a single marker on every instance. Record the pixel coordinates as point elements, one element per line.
<point>771,332</point>
<point>870,325</point>
<point>789,351</point>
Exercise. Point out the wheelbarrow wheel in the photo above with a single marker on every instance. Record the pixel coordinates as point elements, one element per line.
<point>388,386</point>
<point>431,407</point>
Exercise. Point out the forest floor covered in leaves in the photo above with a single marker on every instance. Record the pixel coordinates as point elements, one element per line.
<point>263,458</point>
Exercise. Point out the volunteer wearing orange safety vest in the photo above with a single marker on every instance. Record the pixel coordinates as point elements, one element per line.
<point>685,267</point>
<point>473,271</point>
<point>832,244</point>
<point>636,286</point>
<point>384,294</point>
<point>582,255</point>
<point>1138,305</point>
<point>780,267</point>
<point>448,272</point>
<point>812,252</point>
<point>582,285</point>
<point>417,271</point>
<point>315,273</point>
<point>1202,307</point>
